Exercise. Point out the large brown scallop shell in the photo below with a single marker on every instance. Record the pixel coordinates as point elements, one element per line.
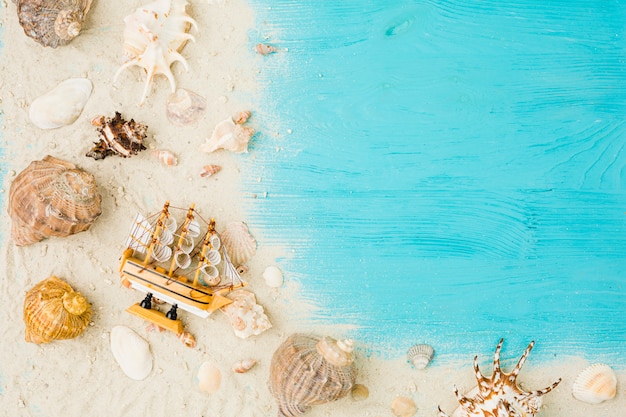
<point>52,22</point>
<point>307,371</point>
<point>52,197</point>
<point>54,311</point>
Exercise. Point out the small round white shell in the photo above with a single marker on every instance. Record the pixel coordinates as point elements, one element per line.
<point>273,276</point>
<point>420,355</point>
<point>403,407</point>
<point>131,352</point>
<point>209,378</point>
<point>62,105</point>
<point>595,384</point>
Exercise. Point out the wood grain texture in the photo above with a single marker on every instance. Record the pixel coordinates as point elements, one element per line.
<point>456,171</point>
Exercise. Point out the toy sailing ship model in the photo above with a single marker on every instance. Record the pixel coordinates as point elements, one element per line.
<point>165,261</point>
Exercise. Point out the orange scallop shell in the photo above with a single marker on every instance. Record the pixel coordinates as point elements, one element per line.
<point>52,197</point>
<point>54,311</point>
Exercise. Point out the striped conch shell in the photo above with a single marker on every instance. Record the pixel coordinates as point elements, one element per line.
<point>54,311</point>
<point>307,371</point>
<point>499,395</point>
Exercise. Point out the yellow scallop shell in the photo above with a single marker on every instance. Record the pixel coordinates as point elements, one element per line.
<point>54,311</point>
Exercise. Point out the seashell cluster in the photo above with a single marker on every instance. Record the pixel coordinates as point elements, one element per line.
<point>230,134</point>
<point>420,355</point>
<point>244,365</point>
<point>239,243</point>
<point>273,276</point>
<point>595,384</point>
<point>403,407</point>
<point>208,378</point>
<point>62,105</point>
<point>52,22</point>
<point>52,197</point>
<point>499,395</point>
<point>307,371</point>
<point>154,35</point>
<point>184,107</point>
<point>54,311</point>
<point>245,315</point>
<point>131,352</point>
<point>117,137</point>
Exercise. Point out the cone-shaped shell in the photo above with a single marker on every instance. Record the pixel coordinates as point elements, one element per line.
<point>54,311</point>
<point>300,376</point>
<point>52,22</point>
<point>239,243</point>
<point>52,197</point>
<point>595,384</point>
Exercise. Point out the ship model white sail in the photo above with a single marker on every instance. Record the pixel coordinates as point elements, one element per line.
<point>179,265</point>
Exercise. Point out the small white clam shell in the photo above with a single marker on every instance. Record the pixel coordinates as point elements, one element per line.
<point>62,105</point>
<point>420,355</point>
<point>209,377</point>
<point>131,352</point>
<point>403,407</point>
<point>185,107</point>
<point>595,384</point>
<point>273,276</point>
<point>239,243</point>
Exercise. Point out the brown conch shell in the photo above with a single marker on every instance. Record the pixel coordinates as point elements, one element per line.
<point>307,371</point>
<point>54,311</point>
<point>52,197</point>
<point>118,137</point>
<point>52,22</point>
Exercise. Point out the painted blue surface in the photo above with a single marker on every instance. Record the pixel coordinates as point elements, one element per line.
<point>450,172</point>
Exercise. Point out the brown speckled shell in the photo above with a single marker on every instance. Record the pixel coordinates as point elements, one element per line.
<point>52,197</point>
<point>52,22</point>
<point>54,311</point>
<point>300,377</point>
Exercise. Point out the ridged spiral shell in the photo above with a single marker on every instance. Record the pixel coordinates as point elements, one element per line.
<point>52,197</point>
<point>301,377</point>
<point>239,243</point>
<point>52,22</point>
<point>595,384</point>
<point>54,311</point>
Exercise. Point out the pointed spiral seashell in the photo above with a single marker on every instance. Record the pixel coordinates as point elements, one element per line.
<point>54,311</point>
<point>420,355</point>
<point>595,384</point>
<point>209,170</point>
<point>230,136</point>
<point>52,197</point>
<point>166,157</point>
<point>238,242</point>
<point>265,49</point>
<point>187,339</point>
<point>301,377</point>
<point>52,22</point>
<point>244,365</point>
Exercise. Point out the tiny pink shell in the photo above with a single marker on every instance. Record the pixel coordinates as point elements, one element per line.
<point>243,365</point>
<point>209,170</point>
<point>265,49</point>
<point>166,157</point>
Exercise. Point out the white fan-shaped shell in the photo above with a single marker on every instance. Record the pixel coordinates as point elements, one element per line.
<point>273,276</point>
<point>62,105</point>
<point>595,384</point>
<point>131,352</point>
<point>420,355</point>
<point>239,243</point>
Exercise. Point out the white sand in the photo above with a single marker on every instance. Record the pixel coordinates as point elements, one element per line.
<point>79,377</point>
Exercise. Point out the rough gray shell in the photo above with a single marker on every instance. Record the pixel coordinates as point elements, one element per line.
<point>52,22</point>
